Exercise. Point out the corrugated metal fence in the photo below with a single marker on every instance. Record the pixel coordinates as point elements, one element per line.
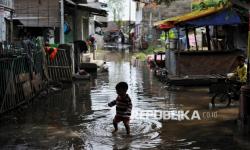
<point>21,78</point>
<point>24,72</point>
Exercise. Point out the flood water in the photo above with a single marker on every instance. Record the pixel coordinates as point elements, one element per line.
<point>78,117</point>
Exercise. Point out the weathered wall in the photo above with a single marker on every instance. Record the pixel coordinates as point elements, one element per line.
<point>4,24</point>
<point>205,63</point>
<point>38,13</point>
<point>82,29</point>
<point>161,12</point>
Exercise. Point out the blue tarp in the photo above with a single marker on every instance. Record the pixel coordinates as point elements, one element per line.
<point>226,17</point>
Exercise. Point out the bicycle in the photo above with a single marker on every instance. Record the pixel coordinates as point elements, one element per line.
<point>231,91</point>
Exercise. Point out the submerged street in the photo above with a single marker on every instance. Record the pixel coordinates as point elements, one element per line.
<point>183,63</point>
<point>78,116</point>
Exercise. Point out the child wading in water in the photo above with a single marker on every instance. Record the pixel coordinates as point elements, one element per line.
<point>123,106</point>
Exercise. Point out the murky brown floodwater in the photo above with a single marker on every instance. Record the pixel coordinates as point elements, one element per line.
<point>79,118</point>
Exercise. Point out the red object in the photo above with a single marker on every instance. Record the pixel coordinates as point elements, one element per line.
<point>51,51</point>
<point>53,54</point>
<point>164,26</point>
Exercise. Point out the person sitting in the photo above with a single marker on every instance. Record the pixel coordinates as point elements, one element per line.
<point>240,73</point>
<point>238,77</point>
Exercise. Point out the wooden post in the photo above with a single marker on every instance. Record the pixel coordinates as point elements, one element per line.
<point>166,47</point>
<point>75,23</point>
<point>188,45</point>
<point>169,53</point>
<point>178,56</point>
<point>178,39</point>
<point>195,39</point>
<point>62,22</point>
<point>208,38</point>
<point>216,32</point>
<point>248,53</point>
<point>72,56</point>
<point>11,26</point>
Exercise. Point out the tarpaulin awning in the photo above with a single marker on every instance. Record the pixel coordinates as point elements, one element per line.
<point>225,17</point>
<point>190,16</point>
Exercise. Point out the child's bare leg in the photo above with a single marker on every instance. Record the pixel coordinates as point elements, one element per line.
<point>115,126</point>
<point>126,124</point>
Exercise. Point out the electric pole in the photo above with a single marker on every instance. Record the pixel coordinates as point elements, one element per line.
<point>62,23</point>
<point>129,22</point>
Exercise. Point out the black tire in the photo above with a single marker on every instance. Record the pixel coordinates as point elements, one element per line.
<point>222,99</point>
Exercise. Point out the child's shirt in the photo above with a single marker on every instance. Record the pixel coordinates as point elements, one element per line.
<point>123,106</point>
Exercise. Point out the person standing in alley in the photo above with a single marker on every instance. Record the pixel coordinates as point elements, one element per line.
<point>123,106</point>
<point>122,38</point>
<point>92,44</point>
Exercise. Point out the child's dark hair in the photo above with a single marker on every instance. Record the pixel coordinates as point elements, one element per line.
<point>122,86</point>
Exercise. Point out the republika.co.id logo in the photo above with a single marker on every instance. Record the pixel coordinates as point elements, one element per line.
<point>173,115</point>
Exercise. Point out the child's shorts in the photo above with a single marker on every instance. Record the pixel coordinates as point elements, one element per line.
<point>118,119</point>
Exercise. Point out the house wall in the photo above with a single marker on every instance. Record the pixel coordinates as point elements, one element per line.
<point>3,23</point>
<point>240,36</point>
<point>7,3</point>
<point>82,29</point>
<point>91,25</point>
<point>38,13</point>
<point>203,63</point>
<point>138,15</point>
<point>151,15</point>
<point>138,25</point>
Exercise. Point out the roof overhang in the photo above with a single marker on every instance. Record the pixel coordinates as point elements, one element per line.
<point>174,21</point>
<point>33,22</point>
<point>6,8</point>
<point>93,9</point>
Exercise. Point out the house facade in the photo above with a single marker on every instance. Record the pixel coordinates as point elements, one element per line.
<point>42,18</point>
<point>6,9</point>
<point>147,13</point>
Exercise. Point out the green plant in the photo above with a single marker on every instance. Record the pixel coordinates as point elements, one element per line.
<point>150,50</point>
<point>141,56</point>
